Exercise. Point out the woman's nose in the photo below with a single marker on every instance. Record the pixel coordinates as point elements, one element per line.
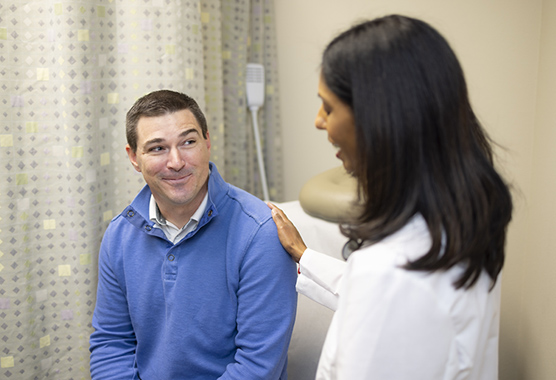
<point>320,120</point>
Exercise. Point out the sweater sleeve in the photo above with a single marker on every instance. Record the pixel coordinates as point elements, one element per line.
<point>267,303</point>
<point>320,278</point>
<point>113,343</point>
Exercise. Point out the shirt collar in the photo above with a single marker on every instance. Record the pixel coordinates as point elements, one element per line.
<point>158,218</point>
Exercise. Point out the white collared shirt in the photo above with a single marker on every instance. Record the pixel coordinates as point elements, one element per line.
<point>396,324</point>
<point>173,233</point>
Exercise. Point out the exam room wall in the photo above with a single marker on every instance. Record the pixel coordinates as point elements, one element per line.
<point>510,66</point>
<point>539,261</point>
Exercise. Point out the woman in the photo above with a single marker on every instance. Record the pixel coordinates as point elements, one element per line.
<point>419,295</point>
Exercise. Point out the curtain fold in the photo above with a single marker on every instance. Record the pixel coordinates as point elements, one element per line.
<point>69,71</point>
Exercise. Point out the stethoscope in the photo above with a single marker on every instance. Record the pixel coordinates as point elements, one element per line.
<point>351,246</point>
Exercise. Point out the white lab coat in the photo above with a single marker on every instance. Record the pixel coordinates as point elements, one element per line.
<point>395,324</point>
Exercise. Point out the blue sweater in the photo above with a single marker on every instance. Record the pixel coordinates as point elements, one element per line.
<point>219,304</point>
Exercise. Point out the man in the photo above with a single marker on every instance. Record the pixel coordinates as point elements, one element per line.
<point>193,281</point>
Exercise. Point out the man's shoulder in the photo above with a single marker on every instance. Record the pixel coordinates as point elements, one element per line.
<point>126,219</point>
<point>116,221</point>
<point>249,205</point>
<point>239,201</point>
<point>117,227</point>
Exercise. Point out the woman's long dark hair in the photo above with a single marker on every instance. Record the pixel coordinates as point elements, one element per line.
<point>420,147</point>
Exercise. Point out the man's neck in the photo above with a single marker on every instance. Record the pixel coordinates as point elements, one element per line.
<point>180,215</point>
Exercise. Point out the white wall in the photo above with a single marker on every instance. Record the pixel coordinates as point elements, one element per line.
<point>499,45</point>
<point>496,40</point>
<point>538,326</point>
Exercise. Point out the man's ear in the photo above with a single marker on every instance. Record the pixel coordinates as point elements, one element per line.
<point>132,158</point>
<point>207,140</point>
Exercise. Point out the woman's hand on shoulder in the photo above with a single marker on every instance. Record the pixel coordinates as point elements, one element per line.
<point>287,233</point>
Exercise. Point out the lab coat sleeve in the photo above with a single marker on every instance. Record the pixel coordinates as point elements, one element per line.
<point>320,277</point>
<point>113,342</point>
<point>267,303</point>
<point>390,326</point>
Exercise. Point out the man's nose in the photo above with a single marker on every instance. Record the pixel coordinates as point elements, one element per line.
<point>175,160</point>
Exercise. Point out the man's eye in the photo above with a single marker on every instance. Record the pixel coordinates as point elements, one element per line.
<point>189,142</point>
<point>155,149</point>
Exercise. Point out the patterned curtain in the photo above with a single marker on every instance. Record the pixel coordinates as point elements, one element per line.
<point>69,71</point>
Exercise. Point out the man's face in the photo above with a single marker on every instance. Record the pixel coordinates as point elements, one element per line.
<point>174,158</point>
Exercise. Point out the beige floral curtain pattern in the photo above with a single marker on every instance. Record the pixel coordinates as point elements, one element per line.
<point>69,70</point>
